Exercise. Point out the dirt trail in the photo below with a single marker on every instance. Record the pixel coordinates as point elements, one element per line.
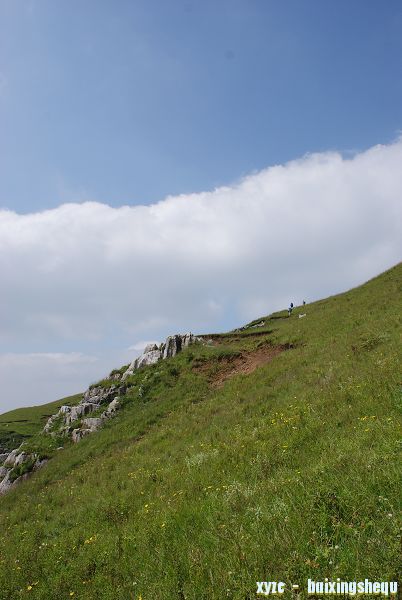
<point>223,338</point>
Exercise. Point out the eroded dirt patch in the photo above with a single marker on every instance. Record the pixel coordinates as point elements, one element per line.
<point>244,362</point>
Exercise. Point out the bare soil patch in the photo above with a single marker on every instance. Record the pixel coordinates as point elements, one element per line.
<point>244,362</point>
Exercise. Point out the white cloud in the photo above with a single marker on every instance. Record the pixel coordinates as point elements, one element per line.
<point>87,274</point>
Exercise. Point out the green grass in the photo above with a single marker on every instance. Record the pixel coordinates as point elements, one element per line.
<point>195,492</point>
<point>22,423</point>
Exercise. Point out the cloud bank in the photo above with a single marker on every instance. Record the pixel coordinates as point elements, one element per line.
<point>88,275</point>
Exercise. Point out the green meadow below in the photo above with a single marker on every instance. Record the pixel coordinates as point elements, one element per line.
<point>272,454</point>
<point>21,424</point>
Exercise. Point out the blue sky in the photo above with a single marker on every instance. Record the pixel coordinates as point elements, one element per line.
<point>186,166</point>
<point>127,102</point>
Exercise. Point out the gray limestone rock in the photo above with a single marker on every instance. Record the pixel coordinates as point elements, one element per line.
<point>147,358</point>
<point>21,459</point>
<point>92,424</point>
<point>152,353</point>
<point>150,348</point>
<point>49,424</point>
<point>150,358</point>
<point>96,399</point>
<point>113,406</point>
<point>5,484</point>
<point>99,394</point>
<point>78,434</point>
<point>10,460</point>
<point>173,346</point>
<point>187,339</point>
<point>79,411</point>
<point>63,412</point>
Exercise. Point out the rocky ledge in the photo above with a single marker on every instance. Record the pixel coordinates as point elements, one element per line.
<point>16,467</point>
<point>154,353</point>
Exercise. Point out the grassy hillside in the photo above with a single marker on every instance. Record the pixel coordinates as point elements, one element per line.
<point>270,455</point>
<point>22,423</point>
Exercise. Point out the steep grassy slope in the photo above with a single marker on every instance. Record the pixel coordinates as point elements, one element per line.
<point>208,481</point>
<point>22,423</point>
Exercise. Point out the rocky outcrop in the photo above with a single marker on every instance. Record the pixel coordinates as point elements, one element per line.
<point>74,422</point>
<point>92,424</point>
<point>147,358</point>
<point>78,434</point>
<point>100,395</point>
<point>113,406</point>
<point>17,466</point>
<point>9,461</point>
<point>5,483</point>
<point>175,343</point>
<point>153,353</point>
<point>62,423</point>
<point>79,411</point>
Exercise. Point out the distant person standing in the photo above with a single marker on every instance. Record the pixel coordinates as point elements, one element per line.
<point>304,303</point>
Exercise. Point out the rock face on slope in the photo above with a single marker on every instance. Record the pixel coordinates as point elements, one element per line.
<point>16,467</point>
<point>154,353</point>
<point>76,422</point>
